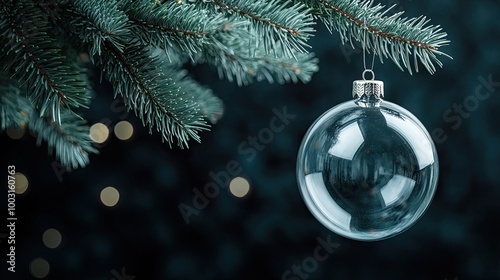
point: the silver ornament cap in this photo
(367, 88)
(368, 93)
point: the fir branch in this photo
(140, 46)
(70, 139)
(233, 60)
(33, 57)
(14, 108)
(183, 28)
(142, 80)
(94, 26)
(152, 95)
(243, 69)
(210, 105)
(386, 36)
(280, 26)
(225, 43)
(52, 10)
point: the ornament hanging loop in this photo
(371, 73)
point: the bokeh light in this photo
(84, 57)
(39, 268)
(15, 133)
(110, 196)
(99, 133)
(52, 238)
(124, 130)
(21, 183)
(239, 187)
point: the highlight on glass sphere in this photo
(367, 168)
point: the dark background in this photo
(265, 233)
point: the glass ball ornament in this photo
(367, 168)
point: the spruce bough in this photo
(141, 45)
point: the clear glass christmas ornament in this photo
(367, 168)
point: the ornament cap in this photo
(368, 93)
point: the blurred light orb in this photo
(21, 183)
(52, 238)
(84, 57)
(367, 169)
(124, 130)
(39, 268)
(110, 196)
(99, 133)
(15, 133)
(239, 187)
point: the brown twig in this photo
(174, 32)
(256, 18)
(374, 30)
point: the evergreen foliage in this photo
(141, 46)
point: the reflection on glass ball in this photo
(367, 172)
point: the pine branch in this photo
(183, 28)
(70, 139)
(244, 69)
(14, 108)
(233, 59)
(210, 105)
(280, 26)
(386, 36)
(34, 58)
(141, 79)
(52, 10)
(154, 97)
(141, 45)
(97, 22)
(228, 44)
